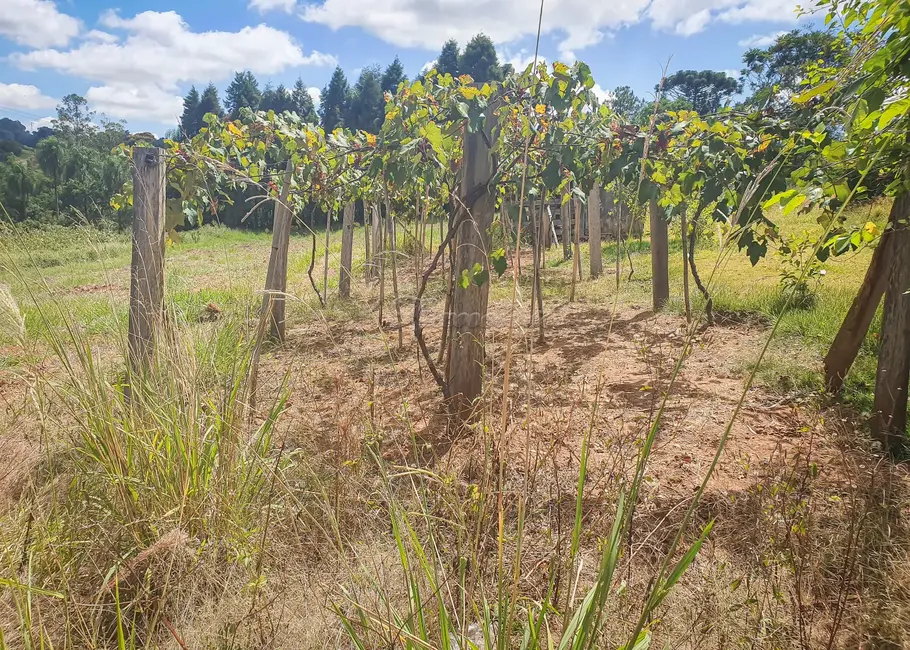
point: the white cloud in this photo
(149, 103)
(101, 37)
(263, 6)
(760, 40)
(24, 98)
(520, 60)
(419, 23)
(316, 95)
(601, 94)
(159, 53)
(580, 23)
(37, 23)
(429, 65)
(736, 74)
(44, 121)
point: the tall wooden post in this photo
(594, 240)
(376, 228)
(147, 268)
(469, 304)
(660, 257)
(276, 279)
(347, 251)
(856, 324)
(890, 421)
(367, 258)
(685, 256)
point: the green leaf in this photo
(464, 280)
(434, 137)
(874, 98)
(499, 262)
(794, 203)
(814, 92)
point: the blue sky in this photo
(134, 59)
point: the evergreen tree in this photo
(480, 61)
(626, 102)
(209, 103)
(367, 109)
(447, 63)
(277, 99)
(334, 101)
(303, 103)
(189, 121)
(74, 119)
(705, 90)
(50, 155)
(243, 92)
(393, 76)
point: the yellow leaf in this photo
(233, 129)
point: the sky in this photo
(133, 60)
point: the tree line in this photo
(357, 106)
(67, 172)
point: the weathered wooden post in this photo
(276, 279)
(890, 420)
(660, 257)
(147, 268)
(594, 239)
(684, 226)
(347, 251)
(367, 258)
(376, 228)
(856, 324)
(469, 304)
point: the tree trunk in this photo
(393, 252)
(537, 293)
(889, 423)
(571, 216)
(576, 225)
(685, 236)
(469, 304)
(347, 251)
(276, 280)
(379, 250)
(693, 237)
(325, 267)
(595, 248)
(660, 257)
(367, 258)
(565, 214)
(853, 331)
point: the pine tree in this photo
(480, 61)
(303, 103)
(277, 99)
(334, 101)
(189, 121)
(367, 109)
(393, 76)
(447, 63)
(243, 93)
(208, 103)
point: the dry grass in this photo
(294, 533)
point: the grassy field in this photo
(318, 498)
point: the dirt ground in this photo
(606, 373)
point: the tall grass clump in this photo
(147, 477)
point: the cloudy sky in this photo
(134, 60)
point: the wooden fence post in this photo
(367, 257)
(376, 227)
(890, 420)
(852, 332)
(595, 248)
(660, 257)
(147, 268)
(469, 304)
(276, 279)
(347, 251)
